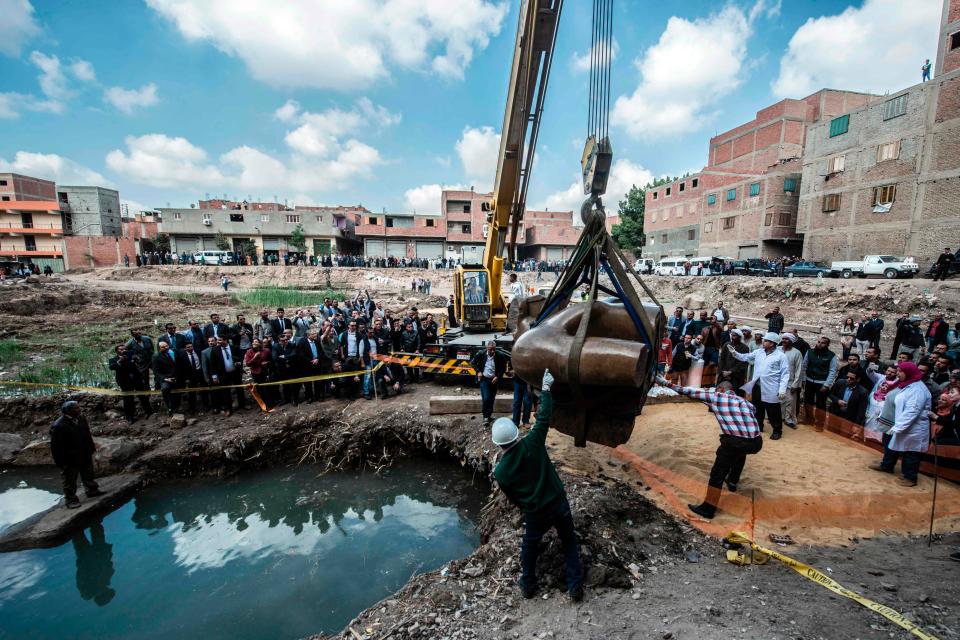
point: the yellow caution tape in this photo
(153, 392)
(763, 554)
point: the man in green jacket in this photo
(527, 477)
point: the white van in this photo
(643, 266)
(213, 257)
(670, 267)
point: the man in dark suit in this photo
(140, 349)
(280, 323)
(128, 378)
(311, 358)
(172, 338)
(72, 448)
(848, 399)
(167, 371)
(216, 329)
(223, 368)
(490, 366)
(211, 377)
(191, 377)
(285, 362)
(195, 335)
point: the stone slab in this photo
(447, 405)
(53, 526)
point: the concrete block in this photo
(446, 405)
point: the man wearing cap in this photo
(771, 376)
(795, 366)
(72, 448)
(528, 478)
(739, 438)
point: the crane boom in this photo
(533, 53)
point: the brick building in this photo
(885, 178)
(743, 203)
(14, 186)
(89, 210)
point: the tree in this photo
(298, 239)
(162, 242)
(629, 233)
(247, 248)
(222, 243)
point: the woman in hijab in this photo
(883, 385)
(910, 433)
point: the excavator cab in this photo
(473, 296)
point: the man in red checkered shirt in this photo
(740, 438)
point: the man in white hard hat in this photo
(528, 478)
(771, 375)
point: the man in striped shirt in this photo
(740, 438)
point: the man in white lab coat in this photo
(768, 386)
(795, 365)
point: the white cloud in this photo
(82, 70)
(126, 100)
(623, 175)
(426, 197)
(876, 47)
(685, 73)
(340, 45)
(162, 161)
(288, 112)
(17, 26)
(478, 149)
(318, 134)
(53, 167)
(52, 80)
(133, 206)
(581, 62)
(12, 103)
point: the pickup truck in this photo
(890, 267)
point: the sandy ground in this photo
(814, 486)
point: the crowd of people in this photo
(210, 366)
(905, 402)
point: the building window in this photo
(731, 194)
(888, 151)
(728, 223)
(207, 217)
(955, 41)
(683, 185)
(293, 218)
(831, 202)
(895, 107)
(264, 217)
(373, 220)
(236, 217)
(319, 218)
(768, 220)
(884, 195)
(3, 183)
(786, 220)
(655, 195)
(712, 199)
(652, 241)
(839, 126)
(755, 189)
(465, 228)
(663, 238)
(694, 183)
(691, 234)
(790, 185)
(430, 223)
(466, 208)
(177, 215)
(667, 192)
(835, 164)
(708, 227)
(6, 198)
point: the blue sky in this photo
(384, 102)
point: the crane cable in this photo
(601, 59)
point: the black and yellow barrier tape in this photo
(430, 363)
(760, 555)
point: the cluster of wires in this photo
(601, 59)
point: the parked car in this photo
(758, 267)
(670, 267)
(643, 266)
(807, 268)
(890, 267)
(740, 267)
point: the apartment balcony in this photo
(31, 228)
(36, 252)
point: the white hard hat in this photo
(504, 431)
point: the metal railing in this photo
(30, 225)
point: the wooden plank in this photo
(448, 405)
